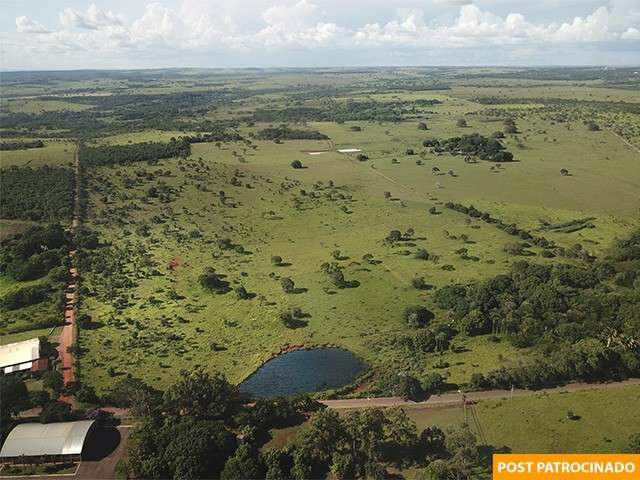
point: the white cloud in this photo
(204, 27)
(93, 19)
(26, 25)
(593, 28)
(631, 34)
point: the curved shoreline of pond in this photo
(283, 373)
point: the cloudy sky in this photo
(65, 34)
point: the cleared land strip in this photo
(448, 399)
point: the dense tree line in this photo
(135, 152)
(21, 145)
(351, 110)
(201, 427)
(474, 144)
(42, 194)
(283, 132)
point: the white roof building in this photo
(19, 356)
(38, 439)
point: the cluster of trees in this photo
(21, 145)
(135, 152)
(474, 144)
(33, 253)
(201, 427)
(41, 194)
(283, 132)
(579, 327)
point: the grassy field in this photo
(56, 152)
(265, 223)
(152, 318)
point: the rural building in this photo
(19, 356)
(62, 441)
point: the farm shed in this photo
(48, 442)
(15, 357)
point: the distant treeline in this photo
(345, 111)
(21, 145)
(41, 194)
(623, 107)
(283, 132)
(135, 152)
(475, 144)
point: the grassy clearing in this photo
(56, 152)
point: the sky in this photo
(77, 34)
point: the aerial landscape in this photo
(323, 272)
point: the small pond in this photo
(304, 371)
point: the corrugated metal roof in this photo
(34, 439)
(19, 352)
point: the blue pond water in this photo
(304, 371)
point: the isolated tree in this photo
(422, 254)
(276, 260)
(461, 123)
(296, 164)
(634, 443)
(394, 236)
(418, 283)
(362, 157)
(288, 286)
(564, 172)
(242, 293)
(422, 126)
(410, 151)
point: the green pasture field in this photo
(360, 319)
(56, 152)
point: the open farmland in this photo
(235, 202)
(471, 229)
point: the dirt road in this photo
(68, 330)
(449, 399)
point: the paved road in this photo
(450, 399)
